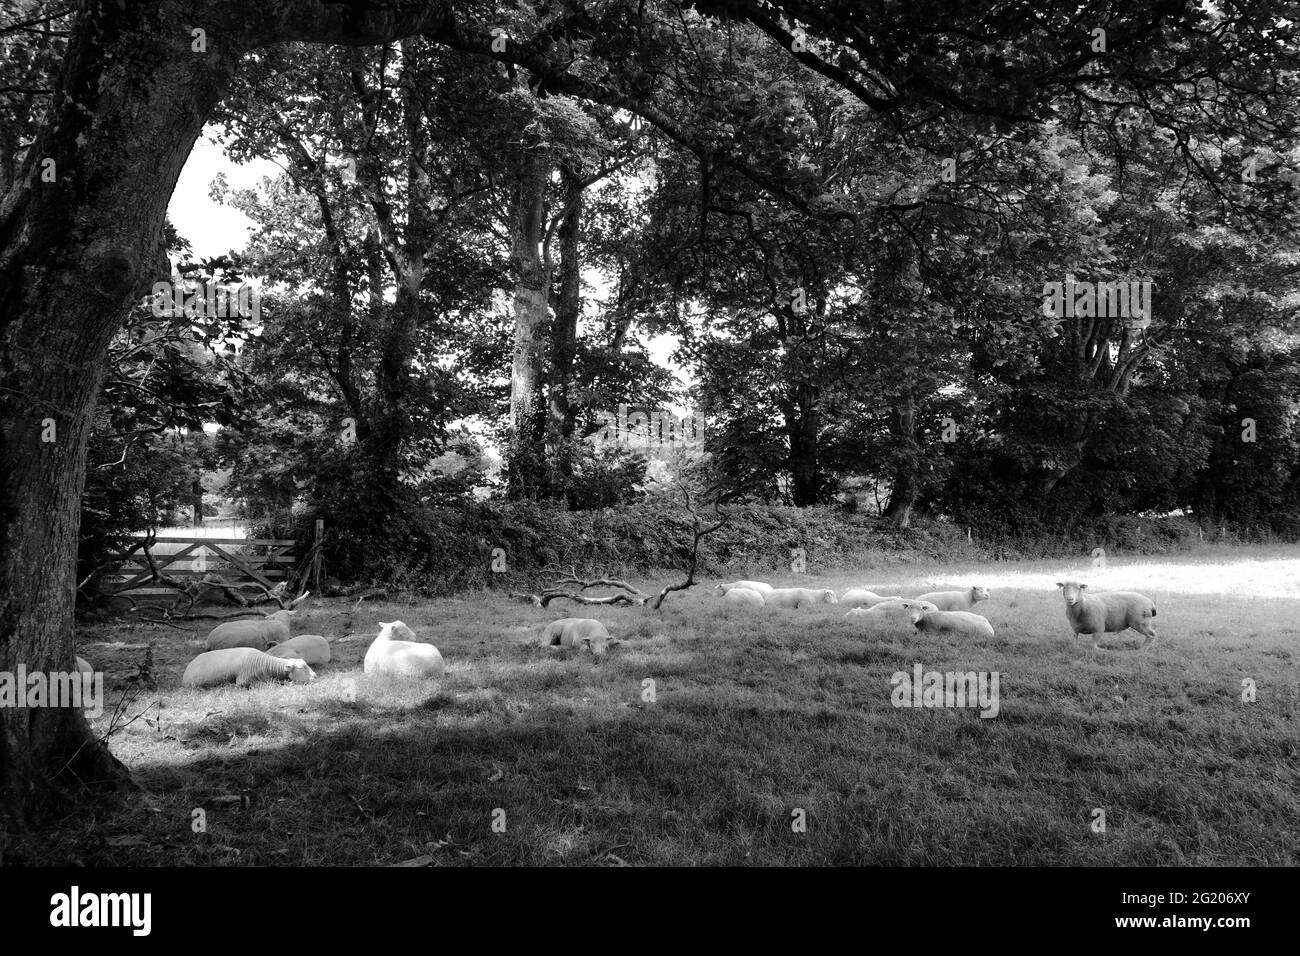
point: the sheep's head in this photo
(286, 615)
(916, 608)
(719, 589)
(978, 594)
(396, 631)
(828, 596)
(1072, 591)
(299, 672)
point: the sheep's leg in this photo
(1147, 631)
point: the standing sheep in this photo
(1107, 611)
(798, 597)
(956, 600)
(260, 634)
(958, 623)
(395, 658)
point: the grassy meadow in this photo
(526, 755)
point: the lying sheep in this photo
(1107, 611)
(861, 597)
(759, 586)
(243, 666)
(400, 658)
(958, 623)
(261, 634)
(890, 605)
(956, 600)
(743, 597)
(312, 648)
(799, 597)
(583, 632)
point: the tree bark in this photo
(73, 252)
(525, 455)
(564, 335)
(906, 487)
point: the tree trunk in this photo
(525, 455)
(73, 253)
(564, 336)
(906, 486)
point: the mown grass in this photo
(753, 717)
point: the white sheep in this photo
(744, 597)
(958, 623)
(956, 600)
(861, 597)
(312, 648)
(259, 634)
(799, 597)
(243, 666)
(402, 658)
(584, 632)
(1107, 611)
(888, 606)
(759, 586)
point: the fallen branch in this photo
(563, 589)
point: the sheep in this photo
(861, 597)
(759, 586)
(798, 597)
(312, 648)
(743, 597)
(584, 632)
(1107, 611)
(243, 666)
(888, 605)
(956, 600)
(959, 623)
(399, 658)
(272, 629)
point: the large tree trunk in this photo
(73, 252)
(525, 456)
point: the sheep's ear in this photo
(1060, 584)
(1083, 587)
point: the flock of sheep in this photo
(244, 652)
(949, 612)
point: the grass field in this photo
(754, 719)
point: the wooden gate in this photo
(233, 561)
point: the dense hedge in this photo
(444, 550)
